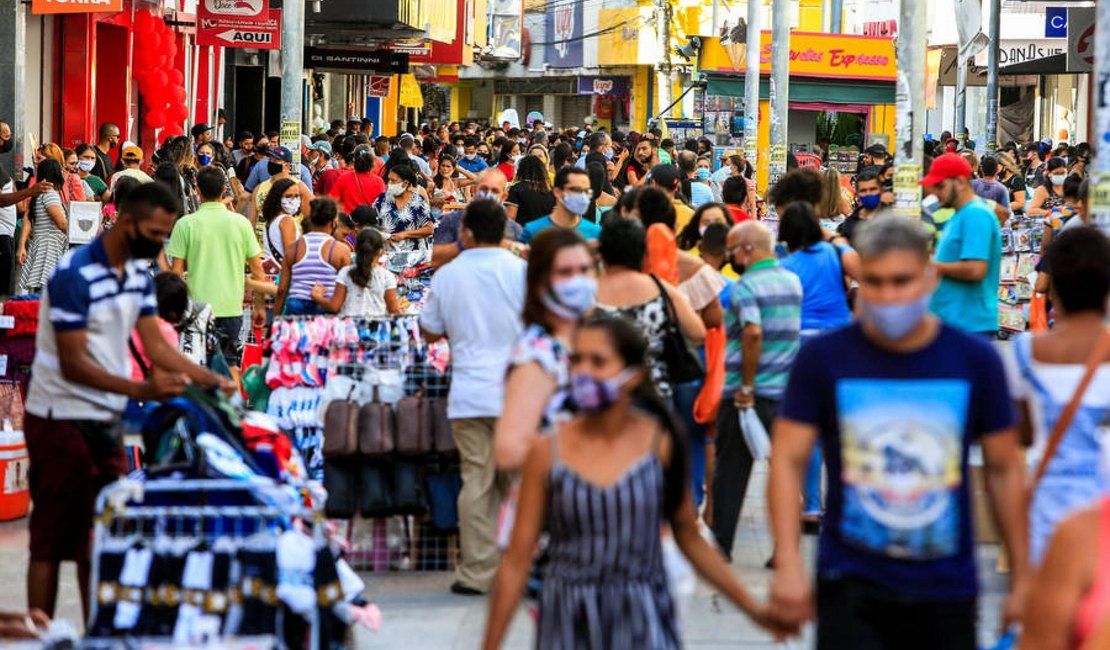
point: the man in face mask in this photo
(1033, 165)
(572, 201)
(283, 158)
(470, 160)
(763, 329)
(447, 241)
(98, 295)
(869, 195)
(969, 253)
(896, 401)
(109, 139)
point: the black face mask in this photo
(274, 168)
(262, 150)
(7, 145)
(143, 247)
(738, 269)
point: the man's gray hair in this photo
(885, 234)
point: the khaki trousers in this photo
(483, 490)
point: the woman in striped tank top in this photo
(312, 259)
(602, 487)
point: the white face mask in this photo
(86, 165)
(396, 189)
(291, 205)
(1058, 179)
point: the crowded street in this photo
(563, 324)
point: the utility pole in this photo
(751, 83)
(994, 32)
(837, 10)
(961, 98)
(780, 86)
(13, 36)
(1100, 193)
(292, 77)
(909, 122)
(663, 32)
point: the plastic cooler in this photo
(15, 498)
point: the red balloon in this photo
(178, 113)
(177, 94)
(159, 24)
(150, 40)
(177, 78)
(156, 119)
(159, 78)
(144, 20)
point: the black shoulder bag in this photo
(683, 363)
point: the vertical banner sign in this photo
(1100, 138)
(291, 140)
(238, 23)
(379, 86)
(563, 47)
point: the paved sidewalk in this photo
(421, 614)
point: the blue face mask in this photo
(896, 320)
(871, 201)
(572, 298)
(576, 203)
(204, 159)
(591, 396)
(703, 174)
(608, 154)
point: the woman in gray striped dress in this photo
(603, 486)
(48, 232)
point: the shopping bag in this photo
(1038, 313)
(709, 399)
(755, 436)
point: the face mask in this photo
(576, 203)
(572, 298)
(143, 247)
(291, 205)
(516, 159)
(1058, 179)
(86, 165)
(871, 201)
(701, 230)
(608, 154)
(896, 320)
(471, 156)
(274, 168)
(396, 189)
(262, 150)
(703, 174)
(482, 194)
(204, 159)
(7, 145)
(592, 396)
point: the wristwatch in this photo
(747, 391)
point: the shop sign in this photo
(375, 61)
(238, 23)
(379, 86)
(1081, 48)
(881, 28)
(604, 86)
(411, 46)
(564, 35)
(1056, 22)
(410, 94)
(1012, 52)
(835, 56)
(75, 6)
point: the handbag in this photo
(709, 399)
(443, 438)
(1068, 414)
(377, 428)
(683, 364)
(341, 428)
(414, 424)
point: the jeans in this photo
(682, 400)
(302, 307)
(734, 467)
(862, 615)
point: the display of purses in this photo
(1007, 272)
(1007, 241)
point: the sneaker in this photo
(462, 590)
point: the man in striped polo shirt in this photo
(762, 324)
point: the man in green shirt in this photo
(214, 245)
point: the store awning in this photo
(809, 91)
(1055, 64)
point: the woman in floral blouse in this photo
(404, 213)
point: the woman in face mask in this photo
(403, 212)
(1049, 196)
(50, 226)
(507, 161)
(86, 162)
(281, 205)
(625, 454)
(707, 214)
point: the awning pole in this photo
(1100, 191)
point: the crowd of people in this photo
(624, 313)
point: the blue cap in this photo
(281, 153)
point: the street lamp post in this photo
(292, 76)
(780, 86)
(751, 83)
(909, 109)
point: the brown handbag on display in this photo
(377, 428)
(341, 428)
(414, 424)
(442, 437)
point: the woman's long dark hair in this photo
(531, 170)
(691, 232)
(632, 346)
(545, 247)
(368, 247)
(271, 207)
(49, 170)
(439, 178)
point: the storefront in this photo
(841, 94)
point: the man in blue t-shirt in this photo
(572, 200)
(895, 400)
(969, 254)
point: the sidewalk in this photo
(420, 613)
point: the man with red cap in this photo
(969, 253)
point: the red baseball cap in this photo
(949, 165)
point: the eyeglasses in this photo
(588, 193)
